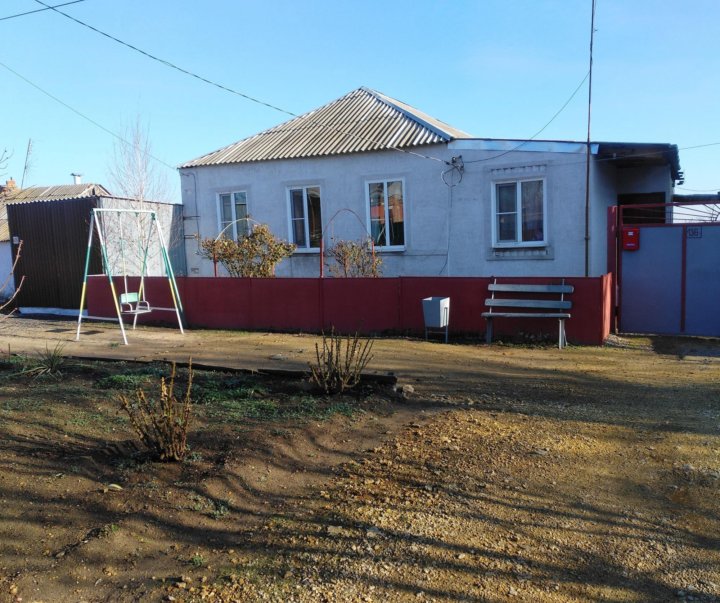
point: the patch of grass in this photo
(47, 363)
(12, 363)
(22, 404)
(197, 560)
(123, 382)
(108, 530)
(271, 409)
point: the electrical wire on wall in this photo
(456, 169)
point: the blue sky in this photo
(494, 68)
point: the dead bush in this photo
(340, 361)
(162, 424)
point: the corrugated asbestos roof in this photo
(362, 120)
(54, 193)
(32, 194)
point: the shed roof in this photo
(53, 193)
(60, 192)
(362, 120)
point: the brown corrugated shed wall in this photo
(54, 235)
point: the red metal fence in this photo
(368, 305)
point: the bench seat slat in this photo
(531, 288)
(525, 315)
(529, 303)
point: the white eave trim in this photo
(536, 146)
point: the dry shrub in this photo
(352, 259)
(162, 424)
(253, 255)
(340, 361)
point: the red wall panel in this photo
(365, 305)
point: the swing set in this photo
(125, 248)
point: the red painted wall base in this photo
(368, 305)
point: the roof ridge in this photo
(409, 111)
(361, 120)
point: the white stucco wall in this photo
(447, 230)
(6, 269)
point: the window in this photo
(233, 211)
(519, 208)
(387, 214)
(305, 217)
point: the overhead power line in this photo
(79, 113)
(541, 130)
(231, 90)
(39, 10)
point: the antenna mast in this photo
(587, 150)
(28, 164)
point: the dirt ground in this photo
(501, 473)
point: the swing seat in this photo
(130, 303)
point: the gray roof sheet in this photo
(362, 120)
(53, 193)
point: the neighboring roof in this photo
(54, 193)
(641, 154)
(362, 120)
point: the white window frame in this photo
(385, 182)
(306, 222)
(518, 207)
(234, 229)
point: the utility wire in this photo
(85, 117)
(231, 90)
(39, 10)
(541, 130)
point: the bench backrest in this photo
(527, 302)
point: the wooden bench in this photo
(547, 307)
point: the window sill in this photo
(526, 245)
(389, 249)
(307, 251)
(544, 252)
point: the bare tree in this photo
(134, 174)
(133, 171)
(4, 158)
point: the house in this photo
(435, 200)
(53, 222)
(6, 254)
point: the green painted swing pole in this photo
(174, 292)
(85, 277)
(143, 270)
(108, 271)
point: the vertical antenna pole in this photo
(587, 150)
(85, 275)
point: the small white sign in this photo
(16, 240)
(694, 232)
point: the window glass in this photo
(506, 198)
(532, 211)
(395, 211)
(519, 212)
(377, 212)
(314, 217)
(298, 217)
(242, 226)
(306, 217)
(226, 210)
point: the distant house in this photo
(435, 200)
(53, 224)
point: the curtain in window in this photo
(532, 210)
(377, 212)
(314, 218)
(396, 213)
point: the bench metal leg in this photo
(488, 332)
(562, 342)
